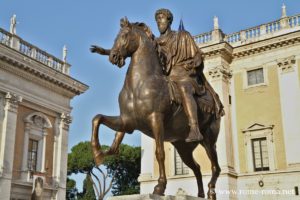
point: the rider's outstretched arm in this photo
(99, 50)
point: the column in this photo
(55, 148)
(61, 162)
(290, 108)
(43, 170)
(8, 136)
(25, 153)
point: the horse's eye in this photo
(124, 37)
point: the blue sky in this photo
(50, 24)
(79, 24)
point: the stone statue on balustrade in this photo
(13, 24)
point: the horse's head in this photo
(125, 44)
(128, 41)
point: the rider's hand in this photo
(100, 50)
(94, 48)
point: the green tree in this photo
(71, 191)
(122, 170)
(80, 160)
(126, 168)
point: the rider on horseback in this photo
(182, 61)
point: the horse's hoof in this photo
(202, 195)
(211, 194)
(159, 189)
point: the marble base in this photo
(154, 197)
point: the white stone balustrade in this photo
(5, 37)
(35, 53)
(273, 27)
(234, 37)
(203, 38)
(254, 33)
(294, 21)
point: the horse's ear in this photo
(124, 22)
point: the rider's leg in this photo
(190, 108)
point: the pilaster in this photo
(61, 154)
(8, 135)
(217, 60)
(219, 77)
(290, 107)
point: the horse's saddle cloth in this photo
(207, 99)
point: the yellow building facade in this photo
(35, 93)
(256, 73)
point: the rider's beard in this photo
(162, 27)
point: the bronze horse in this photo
(145, 105)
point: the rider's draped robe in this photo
(183, 64)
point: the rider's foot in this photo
(194, 135)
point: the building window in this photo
(180, 167)
(32, 154)
(259, 148)
(35, 143)
(255, 76)
(260, 154)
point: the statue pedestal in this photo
(154, 197)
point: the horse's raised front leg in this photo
(114, 123)
(156, 123)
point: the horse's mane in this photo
(151, 36)
(145, 28)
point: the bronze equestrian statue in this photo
(150, 101)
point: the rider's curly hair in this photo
(165, 12)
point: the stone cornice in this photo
(266, 45)
(222, 49)
(28, 68)
(36, 79)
